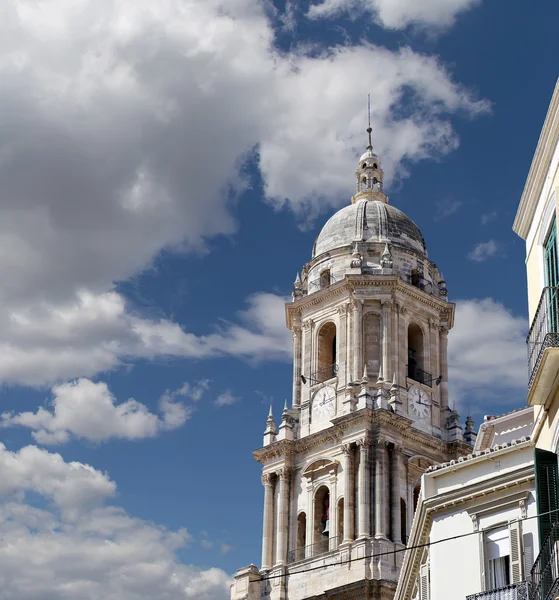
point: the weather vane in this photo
(369, 129)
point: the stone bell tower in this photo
(370, 320)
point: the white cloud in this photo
(77, 547)
(226, 399)
(446, 208)
(488, 217)
(95, 333)
(487, 353)
(87, 410)
(397, 14)
(484, 250)
(112, 125)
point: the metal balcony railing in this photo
(420, 375)
(324, 374)
(320, 283)
(321, 547)
(545, 572)
(544, 332)
(516, 591)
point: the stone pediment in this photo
(320, 466)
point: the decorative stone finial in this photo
(270, 431)
(470, 434)
(365, 378)
(380, 379)
(386, 261)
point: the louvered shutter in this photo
(424, 582)
(546, 485)
(515, 536)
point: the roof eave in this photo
(545, 148)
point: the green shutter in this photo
(546, 486)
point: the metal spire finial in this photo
(369, 129)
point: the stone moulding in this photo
(352, 283)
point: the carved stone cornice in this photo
(352, 283)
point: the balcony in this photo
(516, 591)
(324, 374)
(545, 572)
(543, 347)
(420, 375)
(322, 547)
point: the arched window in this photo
(301, 536)
(375, 166)
(372, 342)
(321, 519)
(340, 530)
(416, 353)
(326, 352)
(404, 520)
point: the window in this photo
(546, 486)
(502, 556)
(415, 353)
(301, 536)
(325, 279)
(497, 554)
(551, 268)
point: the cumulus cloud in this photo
(397, 14)
(86, 410)
(484, 250)
(60, 539)
(226, 399)
(112, 126)
(95, 333)
(487, 353)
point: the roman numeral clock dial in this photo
(419, 404)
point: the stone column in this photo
(381, 488)
(307, 357)
(349, 492)
(334, 541)
(403, 350)
(309, 537)
(357, 340)
(297, 358)
(268, 526)
(443, 355)
(364, 488)
(283, 516)
(386, 362)
(397, 467)
(343, 353)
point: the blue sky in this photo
(164, 171)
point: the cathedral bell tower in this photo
(369, 414)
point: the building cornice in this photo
(381, 422)
(352, 283)
(547, 143)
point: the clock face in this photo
(323, 404)
(419, 403)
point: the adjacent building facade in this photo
(369, 414)
(475, 533)
(536, 223)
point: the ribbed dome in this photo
(369, 221)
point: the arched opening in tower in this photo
(301, 535)
(404, 520)
(372, 335)
(326, 352)
(416, 491)
(340, 529)
(415, 353)
(322, 518)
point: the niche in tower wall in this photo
(372, 341)
(416, 352)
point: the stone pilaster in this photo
(308, 327)
(343, 353)
(349, 493)
(443, 354)
(364, 488)
(397, 468)
(381, 490)
(297, 359)
(268, 525)
(357, 340)
(402, 349)
(386, 337)
(284, 476)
